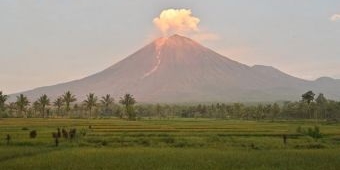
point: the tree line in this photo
(67, 106)
(309, 107)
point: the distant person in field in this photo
(284, 139)
(8, 138)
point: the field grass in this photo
(168, 144)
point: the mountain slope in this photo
(178, 69)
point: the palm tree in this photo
(68, 99)
(107, 101)
(308, 97)
(3, 99)
(12, 108)
(321, 101)
(128, 101)
(58, 103)
(90, 102)
(21, 103)
(43, 101)
(36, 107)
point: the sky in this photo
(50, 42)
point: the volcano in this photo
(177, 69)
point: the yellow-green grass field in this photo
(168, 144)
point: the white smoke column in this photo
(176, 21)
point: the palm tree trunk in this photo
(43, 112)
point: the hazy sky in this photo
(44, 42)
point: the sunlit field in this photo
(168, 144)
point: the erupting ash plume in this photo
(172, 21)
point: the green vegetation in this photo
(3, 99)
(128, 101)
(90, 102)
(68, 98)
(127, 108)
(312, 132)
(127, 135)
(21, 105)
(43, 102)
(168, 158)
(190, 143)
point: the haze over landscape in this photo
(42, 42)
(177, 69)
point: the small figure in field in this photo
(59, 133)
(73, 133)
(8, 138)
(56, 138)
(284, 139)
(56, 142)
(90, 127)
(64, 132)
(252, 146)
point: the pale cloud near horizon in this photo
(335, 17)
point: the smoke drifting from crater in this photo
(172, 21)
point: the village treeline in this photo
(310, 106)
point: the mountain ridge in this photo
(177, 69)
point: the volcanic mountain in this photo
(177, 69)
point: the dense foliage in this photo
(66, 106)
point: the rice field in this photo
(168, 144)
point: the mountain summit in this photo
(177, 69)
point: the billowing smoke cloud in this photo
(335, 17)
(176, 21)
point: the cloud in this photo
(176, 21)
(182, 21)
(335, 17)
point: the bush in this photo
(213, 139)
(181, 144)
(104, 143)
(65, 133)
(312, 132)
(83, 132)
(144, 142)
(310, 146)
(73, 133)
(24, 128)
(168, 140)
(33, 134)
(299, 129)
(54, 135)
